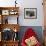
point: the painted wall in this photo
(33, 22)
(26, 4)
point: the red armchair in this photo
(29, 36)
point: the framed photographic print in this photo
(5, 12)
(30, 13)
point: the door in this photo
(44, 8)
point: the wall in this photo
(32, 4)
(26, 4)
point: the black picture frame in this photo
(30, 13)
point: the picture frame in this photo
(30, 13)
(5, 12)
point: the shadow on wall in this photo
(37, 29)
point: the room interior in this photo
(17, 16)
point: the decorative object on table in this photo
(13, 12)
(15, 37)
(15, 34)
(15, 3)
(30, 38)
(30, 13)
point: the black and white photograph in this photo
(30, 13)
